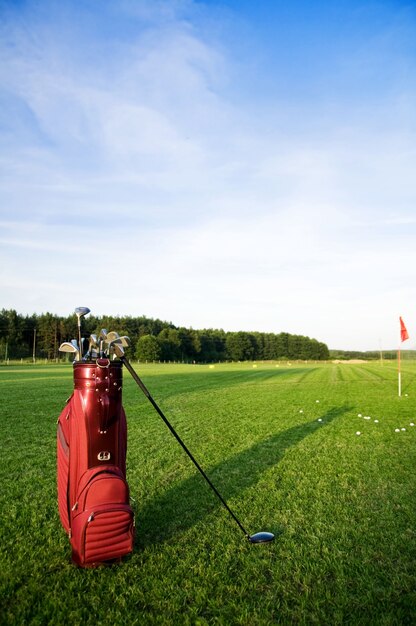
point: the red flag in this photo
(403, 331)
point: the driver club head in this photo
(80, 311)
(261, 537)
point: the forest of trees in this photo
(39, 336)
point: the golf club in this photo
(80, 311)
(102, 337)
(111, 336)
(110, 345)
(69, 347)
(92, 345)
(261, 537)
(124, 342)
(76, 346)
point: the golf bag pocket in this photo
(63, 468)
(102, 526)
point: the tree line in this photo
(39, 336)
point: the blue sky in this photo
(237, 165)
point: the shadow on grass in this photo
(187, 503)
(167, 385)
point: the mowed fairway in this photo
(342, 506)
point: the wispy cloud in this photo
(133, 149)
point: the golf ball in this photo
(358, 432)
(319, 419)
(397, 430)
(403, 429)
(301, 411)
(317, 401)
(376, 421)
(359, 415)
(411, 424)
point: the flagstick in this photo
(400, 376)
(404, 336)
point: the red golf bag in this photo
(93, 495)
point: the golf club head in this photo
(102, 337)
(118, 350)
(111, 336)
(125, 341)
(80, 311)
(76, 349)
(262, 537)
(110, 345)
(66, 346)
(121, 341)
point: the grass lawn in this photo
(342, 506)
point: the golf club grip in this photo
(179, 440)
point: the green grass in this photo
(342, 506)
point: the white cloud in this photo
(136, 170)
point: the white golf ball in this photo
(367, 417)
(359, 415)
(411, 424)
(301, 411)
(376, 421)
(397, 430)
(358, 432)
(403, 429)
(319, 419)
(317, 401)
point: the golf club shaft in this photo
(179, 440)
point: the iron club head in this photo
(80, 311)
(74, 343)
(125, 341)
(111, 336)
(67, 346)
(110, 345)
(118, 350)
(92, 345)
(102, 337)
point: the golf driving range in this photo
(279, 442)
